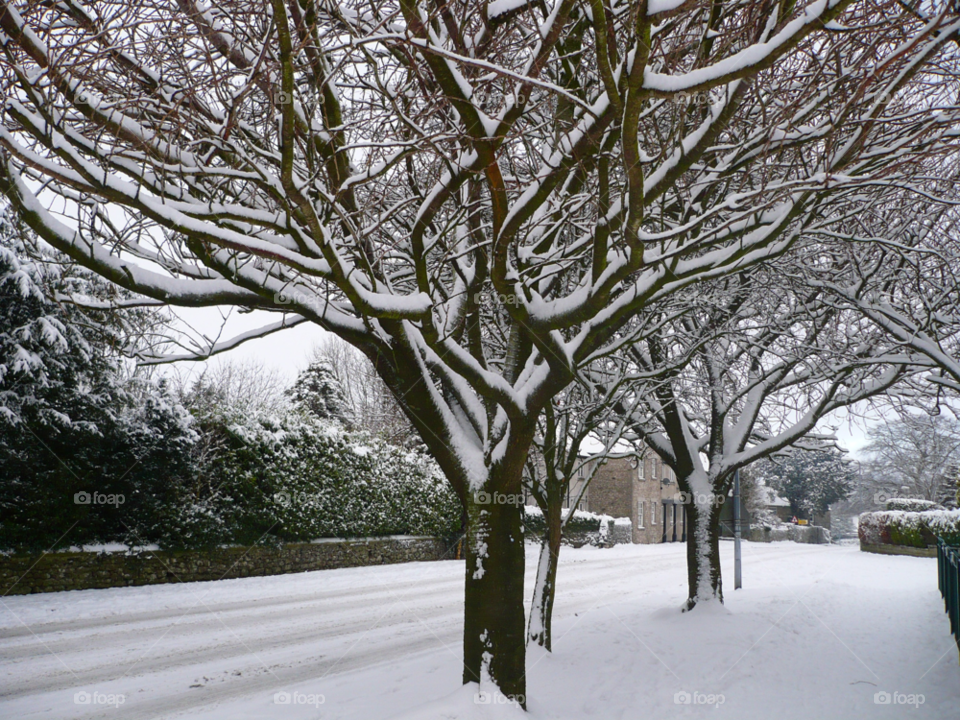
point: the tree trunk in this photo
(544, 591)
(494, 647)
(703, 554)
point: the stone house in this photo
(645, 491)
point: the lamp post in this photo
(737, 579)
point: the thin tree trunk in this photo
(494, 647)
(703, 554)
(544, 592)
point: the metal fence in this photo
(948, 568)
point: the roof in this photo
(771, 499)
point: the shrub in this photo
(295, 478)
(584, 528)
(913, 529)
(912, 504)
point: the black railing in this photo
(948, 568)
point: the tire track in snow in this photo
(271, 629)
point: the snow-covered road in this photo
(816, 628)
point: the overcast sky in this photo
(288, 352)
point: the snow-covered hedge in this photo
(294, 478)
(912, 504)
(584, 528)
(90, 454)
(913, 529)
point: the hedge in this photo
(911, 529)
(584, 528)
(912, 504)
(293, 479)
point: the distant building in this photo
(776, 504)
(646, 492)
(643, 490)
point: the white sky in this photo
(288, 352)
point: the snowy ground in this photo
(816, 633)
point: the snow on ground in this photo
(817, 632)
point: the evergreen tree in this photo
(87, 454)
(811, 480)
(318, 390)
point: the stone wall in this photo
(51, 572)
(899, 550)
(813, 534)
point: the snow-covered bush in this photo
(913, 529)
(584, 528)
(76, 426)
(294, 478)
(912, 504)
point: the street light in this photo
(737, 579)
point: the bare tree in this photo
(478, 197)
(559, 474)
(767, 363)
(371, 404)
(233, 388)
(915, 455)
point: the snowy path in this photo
(379, 641)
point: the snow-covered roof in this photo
(771, 499)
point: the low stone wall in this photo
(813, 534)
(899, 550)
(52, 572)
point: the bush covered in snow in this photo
(295, 478)
(913, 529)
(88, 454)
(584, 528)
(92, 454)
(912, 504)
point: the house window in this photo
(653, 513)
(640, 514)
(640, 465)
